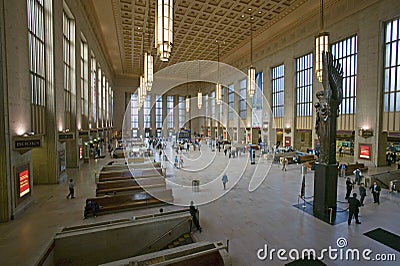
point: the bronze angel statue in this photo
(327, 107)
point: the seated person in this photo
(91, 206)
(88, 208)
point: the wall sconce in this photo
(26, 142)
(365, 132)
(288, 130)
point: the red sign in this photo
(288, 142)
(24, 187)
(365, 151)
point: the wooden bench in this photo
(117, 178)
(136, 160)
(310, 165)
(351, 167)
(130, 186)
(116, 203)
(128, 189)
(306, 158)
(125, 167)
(127, 172)
(288, 155)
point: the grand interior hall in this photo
(199, 132)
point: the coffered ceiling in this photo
(127, 28)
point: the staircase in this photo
(180, 241)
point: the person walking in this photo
(71, 187)
(284, 163)
(354, 205)
(224, 180)
(176, 161)
(343, 170)
(180, 162)
(349, 187)
(357, 173)
(363, 193)
(340, 151)
(193, 211)
(376, 191)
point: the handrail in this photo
(190, 256)
(162, 236)
(122, 220)
(382, 183)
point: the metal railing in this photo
(152, 243)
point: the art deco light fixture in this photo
(187, 104)
(321, 45)
(199, 99)
(187, 94)
(148, 71)
(218, 87)
(142, 92)
(251, 75)
(163, 28)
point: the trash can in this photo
(252, 156)
(195, 185)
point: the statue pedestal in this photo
(325, 190)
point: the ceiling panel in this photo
(197, 26)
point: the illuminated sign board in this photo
(80, 152)
(27, 143)
(22, 182)
(83, 133)
(66, 136)
(24, 187)
(365, 151)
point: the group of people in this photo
(178, 163)
(391, 158)
(91, 206)
(354, 203)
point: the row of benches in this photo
(119, 189)
(127, 174)
(353, 166)
(115, 203)
(129, 185)
(349, 167)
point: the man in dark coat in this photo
(349, 187)
(363, 193)
(376, 190)
(354, 205)
(193, 212)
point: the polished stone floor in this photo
(248, 220)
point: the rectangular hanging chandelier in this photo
(321, 45)
(187, 104)
(163, 28)
(218, 93)
(251, 82)
(199, 99)
(148, 71)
